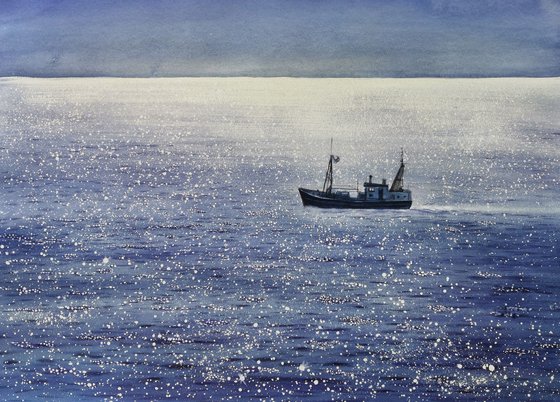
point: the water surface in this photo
(154, 245)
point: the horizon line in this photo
(435, 76)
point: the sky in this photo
(304, 38)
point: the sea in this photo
(154, 245)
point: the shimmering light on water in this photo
(153, 244)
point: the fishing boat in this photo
(373, 195)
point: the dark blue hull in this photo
(319, 199)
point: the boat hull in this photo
(317, 199)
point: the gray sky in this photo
(280, 38)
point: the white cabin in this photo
(380, 192)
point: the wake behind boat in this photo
(373, 196)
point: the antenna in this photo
(331, 144)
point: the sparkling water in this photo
(154, 246)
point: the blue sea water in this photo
(153, 244)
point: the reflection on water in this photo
(154, 246)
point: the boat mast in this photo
(398, 182)
(327, 185)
